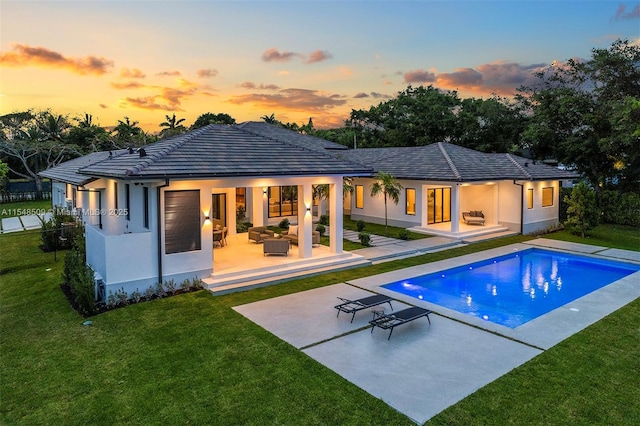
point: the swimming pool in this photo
(513, 289)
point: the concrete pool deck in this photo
(424, 368)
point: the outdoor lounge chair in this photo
(353, 306)
(389, 321)
(473, 217)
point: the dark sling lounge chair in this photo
(353, 306)
(389, 321)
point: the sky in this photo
(294, 59)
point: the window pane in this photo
(446, 204)
(438, 200)
(529, 198)
(547, 197)
(411, 201)
(431, 203)
(359, 196)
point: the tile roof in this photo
(226, 151)
(448, 162)
(284, 135)
(68, 171)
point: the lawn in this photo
(24, 207)
(192, 359)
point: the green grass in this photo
(614, 236)
(192, 359)
(377, 229)
(13, 209)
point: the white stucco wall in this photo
(540, 218)
(509, 205)
(373, 209)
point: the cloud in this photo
(318, 56)
(207, 73)
(361, 95)
(131, 73)
(294, 99)
(174, 73)
(23, 55)
(462, 77)
(149, 103)
(374, 95)
(273, 55)
(253, 86)
(419, 76)
(103, 106)
(622, 14)
(127, 85)
(345, 71)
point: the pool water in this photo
(513, 289)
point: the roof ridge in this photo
(449, 161)
(513, 160)
(163, 152)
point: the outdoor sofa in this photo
(275, 246)
(292, 235)
(259, 233)
(473, 217)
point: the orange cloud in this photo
(419, 76)
(127, 85)
(466, 78)
(169, 73)
(274, 55)
(253, 86)
(149, 103)
(131, 73)
(207, 73)
(23, 56)
(318, 56)
(295, 99)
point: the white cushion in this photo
(293, 230)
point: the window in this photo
(115, 195)
(410, 194)
(182, 221)
(127, 201)
(283, 201)
(145, 201)
(530, 198)
(547, 197)
(241, 198)
(359, 197)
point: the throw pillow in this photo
(293, 230)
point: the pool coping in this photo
(544, 331)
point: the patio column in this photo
(335, 216)
(455, 208)
(305, 220)
(259, 206)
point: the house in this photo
(442, 180)
(150, 213)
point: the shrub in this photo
(360, 225)
(243, 227)
(324, 220)
(136, 296)
(149, 293)
(403, 234)
(184, 285)
(170, 286)
(60, 225)
(365, 239)
(321, 229)
(196, 284)
(122, 298)
(241, 214)
(284, 224)
(620, 208)
(80, 278)
(582, 210)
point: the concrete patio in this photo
(424, 368)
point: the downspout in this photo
(159, 219)
(521, 185)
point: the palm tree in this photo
(172, 127)
(270, 119)
(388, 186)
(126, 133)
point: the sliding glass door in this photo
(438, 205)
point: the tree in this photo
(586, 114)
(35, 142)
(89, 137)
(127, 133)
(582, 211)
(417, 116)
(390, 188)
(172, 127)
(270, 119)
(211, 118)
(4, 172)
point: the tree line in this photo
(583, 114)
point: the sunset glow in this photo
(296, 59)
